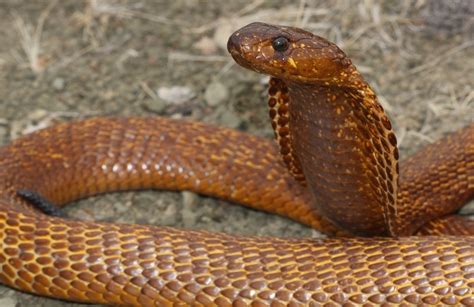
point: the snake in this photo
(395, 237)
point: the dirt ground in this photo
(64, 60)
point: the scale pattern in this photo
(141, 265)
(279, 104)
(146, 265)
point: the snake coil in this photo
(340, 174)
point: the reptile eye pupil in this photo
(280, 44)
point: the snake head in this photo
(290, 54)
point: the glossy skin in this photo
(146, 265)
(338, 136)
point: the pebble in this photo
(175, 94)
(216, 93)
(156, 105)
(166, 96)
(468, 209)
(230, 119)
(58, 84)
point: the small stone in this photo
(58, 84)
(175, 94)
(230, 119)
(264, 80)
(156, 105)
(468, 209)
(216, 93)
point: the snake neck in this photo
(278, 102)
(339, 142)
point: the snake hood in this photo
(324, 106)
(291, 54)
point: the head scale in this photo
(290, 54)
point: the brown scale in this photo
(312, 127)
(279, 104)
(121, 264)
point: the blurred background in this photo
(66, 60)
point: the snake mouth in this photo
(239, 48)
(234, 50)
(251, 46)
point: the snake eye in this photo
(280, 44)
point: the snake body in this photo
(340, 175)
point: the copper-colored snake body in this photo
(334, 167)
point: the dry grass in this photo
(30, 38)
(118, 9)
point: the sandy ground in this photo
(65, 60)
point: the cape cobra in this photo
(340, 175)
